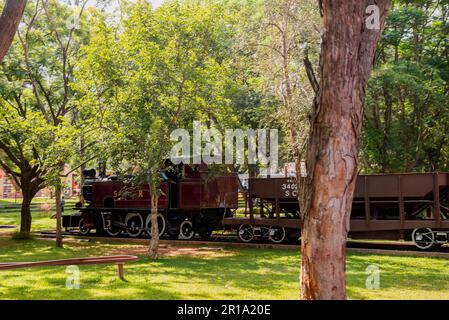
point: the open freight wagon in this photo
(385, 206)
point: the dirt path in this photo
(174, 250)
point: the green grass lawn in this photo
(227, 273)
(10, 212)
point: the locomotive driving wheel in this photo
(424, 238)
(277, 234)
(186, 230)
(83, 229)
(160, 224)
(246, 233)
(114, 231)
(134, 224)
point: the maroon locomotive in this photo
(192, 202)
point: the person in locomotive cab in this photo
(169, 172)
(167, 177)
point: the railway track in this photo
(371, 247)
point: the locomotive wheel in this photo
(277, 234)
(424, 238)
(134, 224)
(160, 224)
(186, 230)
(114, 231)
(246, 233)
(83, 229)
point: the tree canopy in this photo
(406, 113)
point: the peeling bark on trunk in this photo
(9, 22)
(153, 251)
(347, 54)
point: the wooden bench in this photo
(119, 260)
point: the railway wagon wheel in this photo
(246, 233)
(134, 224)
(277, 234)
(160, 223)
(83, 229)
(186, 230)
(424, 238)
(114, 231)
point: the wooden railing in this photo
(119, 260)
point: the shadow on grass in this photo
(192, 277)
(231, 274)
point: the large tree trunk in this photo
(25, 214)
(347, 55)
(9, 22)
(30, 185)
(153, 251)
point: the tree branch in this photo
(82, 164)
(24, 42)
(14, 175)
(311, 75)
(10, 155)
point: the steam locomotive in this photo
(192, 202)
